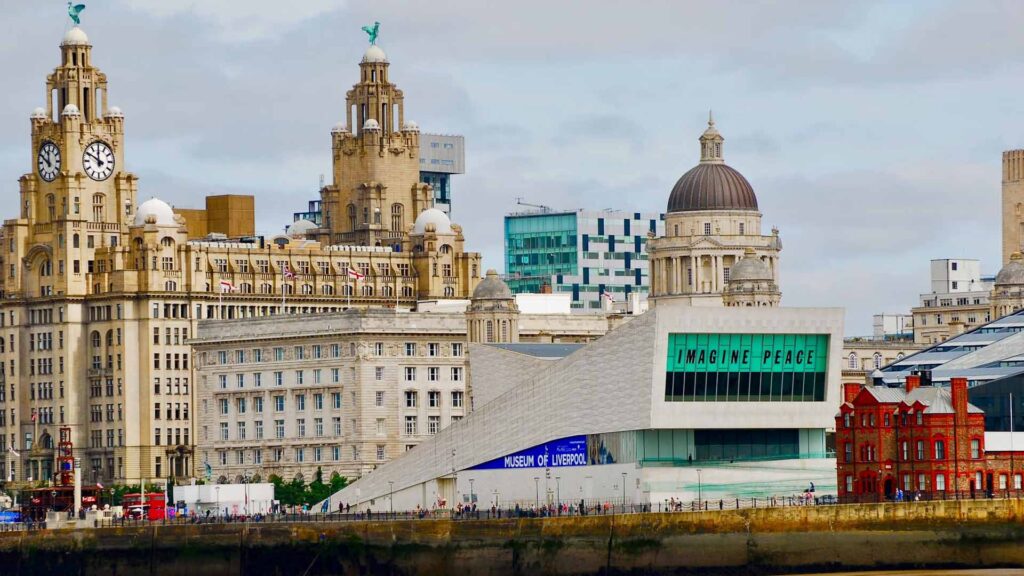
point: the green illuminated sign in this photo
(746, 367)
(747, 352)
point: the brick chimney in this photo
(913, 383)
(850, 390)
(958, 393)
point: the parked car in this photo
(827, 499)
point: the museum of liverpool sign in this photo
(746, 367)
(571, 451)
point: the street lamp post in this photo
(471, 500)
(623, 492)
(558, 492)
(699, 505)
(536, 487)
(391, 496)
(216, 489)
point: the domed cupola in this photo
(1013, 273)
(712, 184)
(492, 315)
(492, 287)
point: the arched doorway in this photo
(890, 487)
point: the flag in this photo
(13, 451)
(288, 272)
(608, 295)
(33, 414)
(356, 274)
(100, 486)
(226, 286)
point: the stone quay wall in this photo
(983, 533)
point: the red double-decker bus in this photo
(149, 506)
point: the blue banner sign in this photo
(571, 451)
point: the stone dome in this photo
(339, 128)
(301, 227)
(75, 37)
(432, 216)
(115, 112)
(371, 124)
(374, 54)
(492, 287)
(155, 211)
(71, 110)
(1013, 272)
(750, 268)
(38, 114)
(411, 126)
(712, 186)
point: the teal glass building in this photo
(585, 254)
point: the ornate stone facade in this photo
(100, 298)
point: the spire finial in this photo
(711, 118)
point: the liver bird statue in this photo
(74, 10)
(371, 30)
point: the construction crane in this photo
(541, 207)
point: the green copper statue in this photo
(371, 30)
(74, 10)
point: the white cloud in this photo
(241, 20)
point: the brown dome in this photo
(712, 186)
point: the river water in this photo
(987, 572)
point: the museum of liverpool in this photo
(730, 402)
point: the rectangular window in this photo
(380, 426)
(336, 425)
(433, 349)
(457, 399)
(279, 428)
(410, 348)
(456, 349)
(278, 403)
(300, 427)
(940, 482)
(410, 399)
(335, 375)
(433, 374)
(920, 450)
(300, 402)
(318, 427)
(433, 424)
(410, 374)
(434, 399)
(278, 378)
(940, 450)
(259, 429)
(379, 398)
(336, 400)
(456, 374)
(975, 449)
(410, 425)
(380, 452)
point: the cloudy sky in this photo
(871, 131)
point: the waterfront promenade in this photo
(921, 535)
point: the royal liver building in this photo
(101, 294)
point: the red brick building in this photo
(922, 439)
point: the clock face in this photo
(98, 161)
(48, 161)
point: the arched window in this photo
(877, 360)
(504, 331)
(45, 268)
(97, 208)
(2, 348)
(900, 356)
(407, 291)
(490, 331)
(346, 290)
(171, 286)
(307, 288)
(74, 241)
(449, 292)
(396, 217)
(446, 249)
(110, 337)
(95, 338)
(327, 290)
(287, 289)
(167, 242)
(266, 289)
(853, 361)
(385, 291)
(367, 290)
(245, 288)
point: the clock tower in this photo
(78, 184)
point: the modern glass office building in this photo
(585, 254)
